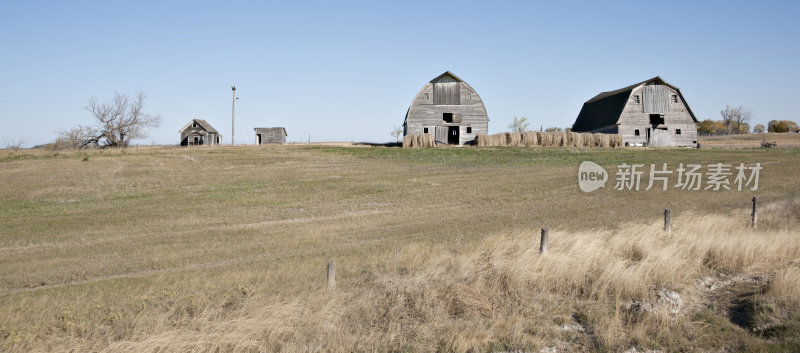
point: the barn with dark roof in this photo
(648, 113)
(199, 132)
(448, 108)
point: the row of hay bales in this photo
(556, 138)
(419, 141)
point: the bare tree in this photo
(77, 137)
(396, 133)
(735, 117)
(118, 122)
(519, 124)
(122, 120)
(14, 144)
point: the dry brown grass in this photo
(783, 140)
(148, 249)
(502, 294)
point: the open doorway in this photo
(447, 117)
(453, 135)
(656, 119)
(258, 139)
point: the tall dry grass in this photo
(549, 139)
(502, 294)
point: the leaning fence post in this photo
(755, 212)
(543, 242)
(667, 221)
(331, 276)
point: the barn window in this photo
(677, 131)
(469, 129)
(636, 132)
(674, 98)
(447, 117)
(425, 130)
(194, 124)
(426, 96)
(636, 99)
(469, 96)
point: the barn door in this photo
(441, 134)
(453, 133)
(659, 137)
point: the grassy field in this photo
(224, 249)
(783, 140)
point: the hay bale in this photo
(530, 138)
(601, 140)
(545, 139)
(514, 139)
(562, 138)
(425, 141)
(574, 139)
(482, 140)
(588, 139)
(407, 141)
(616, 140)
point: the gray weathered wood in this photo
(331, 276)
(271, 135)
(755, 213)
(543, 241)
(199, 132)
(667, 221)
(447, 94)
(629, 110)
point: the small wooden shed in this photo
(648, 113)
(270, 135)
(199, 132)
(450, 109)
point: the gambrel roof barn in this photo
(648, 113)
(450, 109)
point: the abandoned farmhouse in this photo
(270, 135)
(648, 113)
(448, 108)
(199, 132)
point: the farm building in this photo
(649, 113)
(199, 132)
(270, 135)
(450, 109)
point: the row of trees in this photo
(718, 127)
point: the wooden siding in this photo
(270, 135)
(655, 99)
(424, 113)
(676, 116)
(195, 129)
(447, 93)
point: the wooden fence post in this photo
(667, 221)
(331, 276)
(543, 242)
(755, 212)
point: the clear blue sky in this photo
(347, 71)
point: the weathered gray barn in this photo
(199, 132)
(450, 109)
(270, 135)
(649, 113)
